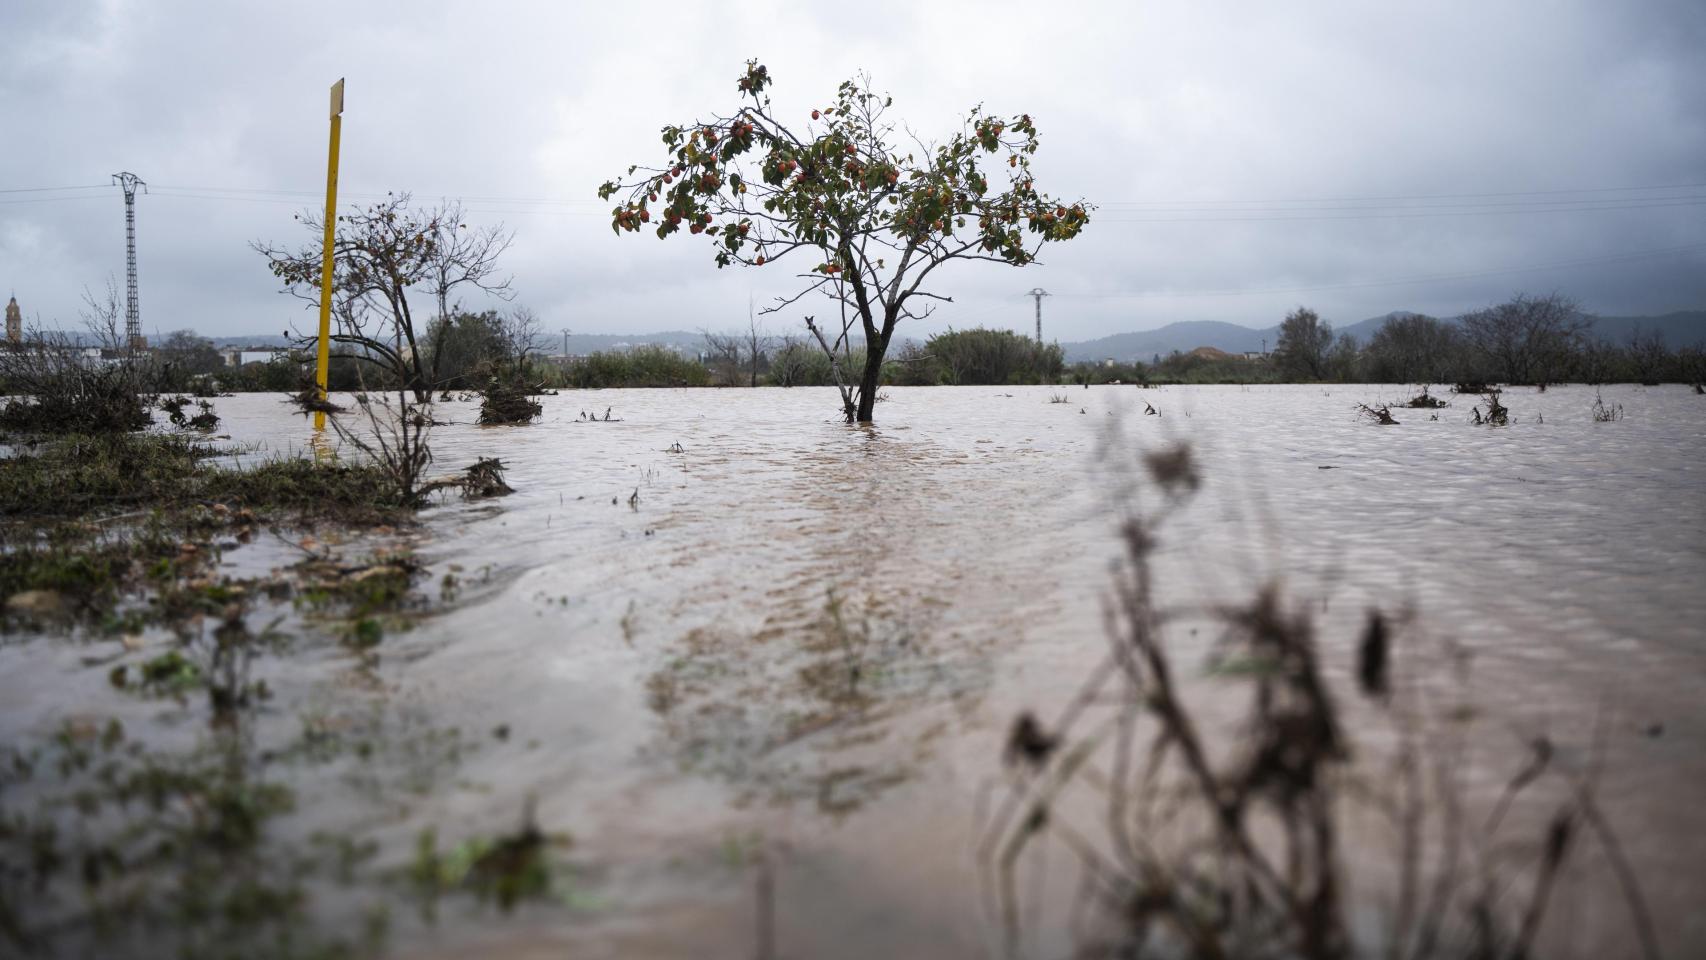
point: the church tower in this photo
(14, 323)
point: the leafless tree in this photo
(757, 346)
(789, 363)
(464, 257)
(734, 358)
(1413, 349)
(722, 357)
(1304, 342)
(381, 254)
(1527, 339)
(62, 390)
(520, 330)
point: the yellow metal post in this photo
(324, 361)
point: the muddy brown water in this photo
(737, 644)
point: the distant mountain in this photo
(1184, 337)
(1680, 329)
(1363, 330)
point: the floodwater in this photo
(743, 652)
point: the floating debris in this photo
(507, 403)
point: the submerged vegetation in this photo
(1497, 415)
(1380, 414)
(1203, 838)
(121, 838)
(1603, 413)
(89, 521)
(504, 401)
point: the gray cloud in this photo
(1217, 138)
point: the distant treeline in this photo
(1526, 340)
(975, 356)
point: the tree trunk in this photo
(872, 377)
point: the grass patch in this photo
(98, 518)
(90, 475)
(351, 492)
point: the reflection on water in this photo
(832, 710)
(722, 614)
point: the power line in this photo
(89, 186)
(86, 196)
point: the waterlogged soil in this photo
(727, 676)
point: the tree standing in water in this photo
(869, 220)
(1304, 342)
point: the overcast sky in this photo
(1355, 157)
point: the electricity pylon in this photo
(128, 182)
(1039, 293)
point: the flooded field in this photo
(753, 670)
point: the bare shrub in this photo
(63, 386)
(394, 439)
(204, 420)
(1603, 413)
(1498, 414)
(1425, 401)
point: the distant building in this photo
(238, 357)
(14, 323)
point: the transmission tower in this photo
(128, 182)
(1039, 293)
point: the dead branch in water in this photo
(1498, 414)
(1381, 415)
